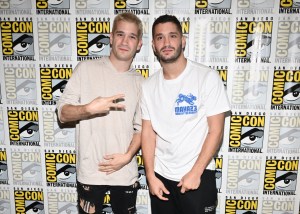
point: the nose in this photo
(125, 40)
(166, 41)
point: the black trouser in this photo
(200, 201)
(122, 198)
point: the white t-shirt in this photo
(178, 111)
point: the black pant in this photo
(200, 201)
(122, 199)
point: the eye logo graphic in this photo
(58, 7)
(137, 7)
(97, 44)
(3, 168)
(289, 7)
(92, 4)
(280, 177)
(16, 4)
(212, 6)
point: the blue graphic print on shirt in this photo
(189, 99)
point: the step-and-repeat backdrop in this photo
(253, 44)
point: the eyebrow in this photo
(101, 38)
(30, 166)
(21, 86)
(59, 85)
(259, 85)
(57, 39)
(257, 132)
(31, 125)
(289, 176)
(68, 167)
(247, 175)
(288, 133)
(291, 89)
(24, 38)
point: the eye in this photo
(32, 170)
(251, 136)
(65, 172)
(258, 43)
(134, 2)
(3, 168)
(28, 131)
(55, 2)
(218, 43)
(248, 179)
(67, 209)
(285, 180)
(62, 133)
(58, 89)
(60, 43)
(292, 94)
(22, 43)
(290, 137)
(255, 92)
(35, 207)
(97, 44)
(26, 88)
(4, 207)
(17, 2)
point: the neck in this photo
(120, 66)
(174, 69)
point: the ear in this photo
(140, 44)
(153, 47)
(111, 38)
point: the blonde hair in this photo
(129, 17)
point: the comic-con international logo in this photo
(223, 73)
(92, 38)
(23, 127)
(26, 167)
(280, 176)
(253, 40)
(54, 135)
(219, 166)
(255, 7)
(29, 201)
(53, 82)
(107, 209)
(54, 39)
(4, 200)
(3, 167)
(62, 201)
(60, 169)
(286, 89)
(289, 6)
(277, 205)
(174, 6)
(233, 205)
(20, 84)
(50, 7)
(141, 171)
(243, 175)
(2, 131)
(246, 132)
(17, 40)
(15, 7)
(137, 7)
(288, 39)
(211, 39)
(88, 7)
(143, 70)
(212, 6)
(284, 134)
(249, 88)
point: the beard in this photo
(170, 59)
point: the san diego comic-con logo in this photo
(3, 167)
(289, 6)
(255, 7)
(281, 176)
(2, 131)
(272, 204)
(243, 205)
(142, 202)
(55, 135)
(94, 7)
(17, 39)
(62, 201)
(54, 39)
(173, 6)
(53, 7)
(107, 209)
(284, 134)
(23, 126)
(249, 87)
(53, 82)
(137, 7)
(223, 71)
(20, 84)
(185, 27)
(15, 7)
(143, 70)
(219, 166)
(286, 89)
(211, 39)
(246, 132)
(288, 40)
(26, 167)
(212, 6)
(253, 40)
(4, 200)
(243, 175)
(141, 171)
(93, 39)
(29, 200)
(60, 168)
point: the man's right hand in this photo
(102, 105)
(157, 188)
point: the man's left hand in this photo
(189, 181)
(113, 163)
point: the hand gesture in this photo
(113, 163)
(188, 182)
(157, 188)
(102, 105)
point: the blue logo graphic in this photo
(189, 99)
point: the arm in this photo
(100, 105)
(156, 187)
(115, 162)
(212, 142)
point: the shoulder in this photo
(203, 70)
(151, 80)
